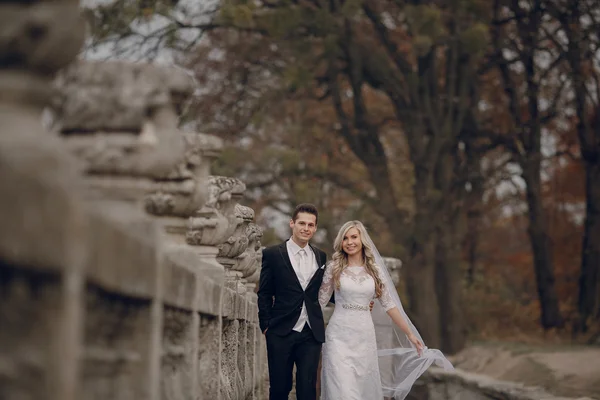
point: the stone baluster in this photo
(393, 266)
(235, 246)
(192, 279)
(218, 228)
(236, 337)
(249, 261)
(41, 247)
(120, 121)
(190, 269)
(216, 221)
(185, 189)
(226, 224)
(243, 253)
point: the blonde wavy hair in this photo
(340, 258)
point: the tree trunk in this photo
(420, 272)
(421, 287)
(448, 236)
(589, 281)
(541, 245)
(588, 132)
(472, 245)
(473, 209)
(448, 277)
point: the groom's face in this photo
(303, 228)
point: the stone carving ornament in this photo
(121, 118)
(249, 261)
(237, 243)
(40, 37)
(184, 189)
(216, 221)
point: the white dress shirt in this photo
(305, 271)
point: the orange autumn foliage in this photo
(503, 303)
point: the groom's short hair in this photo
(306, 208)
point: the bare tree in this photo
(580, 23)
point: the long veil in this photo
(399, 363)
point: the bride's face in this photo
(352, 244)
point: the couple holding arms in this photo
(296, 282)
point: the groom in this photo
(288, 308)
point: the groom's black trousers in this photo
(298, 348)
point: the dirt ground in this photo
(571, 371)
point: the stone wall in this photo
(127, 271)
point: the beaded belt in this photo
(355, 307)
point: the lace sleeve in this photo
(386, 300)
(326, 287)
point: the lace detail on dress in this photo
(326, 289)
(386, 300)
(357, 278)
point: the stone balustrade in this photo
(126, 270)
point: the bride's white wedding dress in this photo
(350, 369)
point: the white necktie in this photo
(302, 265)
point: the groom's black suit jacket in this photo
(280, 294)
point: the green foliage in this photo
(350, 8)
(293, 22)
(286, 159)
(475, 39)
(422, 45)
(238, 15)
(425, 20)
(331, 46)
(228, 163)
(478, 8)
(270, 237)
(323, 23)
(280, 23)
(297, 77)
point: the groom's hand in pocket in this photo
(371, 304)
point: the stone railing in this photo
(126, 270)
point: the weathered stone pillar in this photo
(193, 278)
(227, 224)
(120, 121)
(42, 240)
(393, 266)
(210, 228)
(241, 261)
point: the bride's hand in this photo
(413, 339)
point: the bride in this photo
(367, 356)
